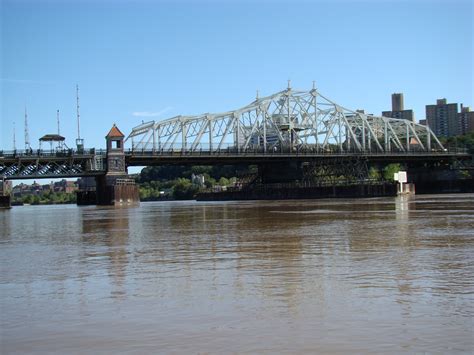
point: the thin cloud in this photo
(22, 81)
(151, 114)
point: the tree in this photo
(223, 181)
(374, 173)
(390, 170)
(183, 189)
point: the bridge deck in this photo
(51, 164)
(150, 158)
(45, 164)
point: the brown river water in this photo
(380, 275)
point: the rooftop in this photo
(114, 133)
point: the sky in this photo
(150, 60)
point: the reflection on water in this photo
(371, 275)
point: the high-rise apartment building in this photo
(398, 110)
(443, 118)
(466, 120)
(397, 102)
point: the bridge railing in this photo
(178, 150)
(20, 153)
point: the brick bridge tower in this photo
(116, 167)
(115, 188)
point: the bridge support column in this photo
(5, 194)
(113, 188)
(117, 190)
(5, 202)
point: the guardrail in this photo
(40, 153)
(224, 151)
(286, 152)
(124, 182)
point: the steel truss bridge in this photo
(52, 164)
(289, 126)
(289, 121)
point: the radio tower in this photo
(57, 119)
(79, 141)
(27, 136)
(59, 132)
(14, 136)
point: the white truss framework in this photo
(288, 121)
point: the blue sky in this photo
(142, 60)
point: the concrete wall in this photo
(126, 195)
(108, 193)
(285, 193)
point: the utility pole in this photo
(14, 137)
(60, 143)
(57, 119)
(79, 141)
(27, 136)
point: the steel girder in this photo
(289, 120)
(342, 170)
(51, 167)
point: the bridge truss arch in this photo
(287, 121)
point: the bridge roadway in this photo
(153, 158)
(92, 162)
(38, 164)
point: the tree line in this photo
(176, 180)
(44, 198)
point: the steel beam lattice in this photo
(51, 165)
(288, 121)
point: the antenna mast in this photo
(27, 136)
(77, 111)
(60, 143)
(14, 136)
(57, 119)
(79, 140)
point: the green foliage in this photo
(465, 141)
(173, 172)
(152, 180)
(209, 181)
(223, 181)
(374, 174)
(389, 170)
(46, 198)
(183, 189)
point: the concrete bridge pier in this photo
(5, 202)
(117, 191)
(5, 194)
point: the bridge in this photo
(283, 130)
(16, 165)
(289, 120)
(289, 125)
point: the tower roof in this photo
(114, 133)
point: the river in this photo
(379, 275)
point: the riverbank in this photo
(42, 203)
